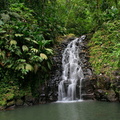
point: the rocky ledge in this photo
(95, 87)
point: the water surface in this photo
(86, 110)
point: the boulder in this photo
(106, 95)
(29, 100)
(111, 95)
(100, 94)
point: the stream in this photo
(85, 110)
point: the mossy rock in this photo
(64, 38)
(19, 102)
(103, 82)
(106, 95)
(2, 107)
(111, 95)
(10, 103)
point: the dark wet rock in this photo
(106, 95)
(118, 95)
(111, 95)
(116, 73)
(29, 100)
(57, 71)
(70, 39)
(25, 104)
(89, 71)
(102, 82)
(100, 94)
(88, 96)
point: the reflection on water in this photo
(86, 110)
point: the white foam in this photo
(72, 73)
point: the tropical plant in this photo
(24, 52)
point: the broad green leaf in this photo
(34, 50)
(24, 66)
(49, 65)
(6, 35)
(28, 39)
(43, 56)
(20, 66)
(34, 41)
(2, 53)
(13, 42)
(18, 35)
(9, 66)
(49, 50)
(28, 67)
(2, 31)
(21, 61)
(25, 48)
(36, 68)
(18, 52)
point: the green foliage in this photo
(104, 10)
(76, 16)
(8, 86)
(46, 11)
(73, 16)
(105, 48)
(24, 51)
(21, 40)
(26, 34)
(83, 16)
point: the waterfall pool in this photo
(85, 110)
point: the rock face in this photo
(52, 85)
(27, 100)
(105, 89)
(95, 87)
(56, 72)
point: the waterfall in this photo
(72, 74)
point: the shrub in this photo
(24, 52)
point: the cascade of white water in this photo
(72, 72)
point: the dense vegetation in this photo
(104, 48)
(29, 28)
(24, 52)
